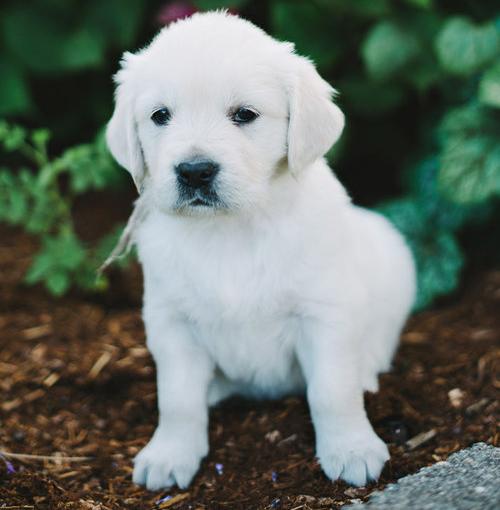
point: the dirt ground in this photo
(77, 402)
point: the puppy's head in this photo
(213, 110)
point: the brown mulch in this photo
(76, 381)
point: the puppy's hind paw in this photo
(355, 460)
(162, 464)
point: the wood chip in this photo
(414, 337)
(11, 404)
(34, 395)
(174, 500)
(51, 380)
(456, 397)
(103, 360)
(476, 406)
(420, 439)
(37, 332)
(273, 436)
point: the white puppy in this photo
(261, 278)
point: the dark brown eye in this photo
(244, 115)
(161, 117)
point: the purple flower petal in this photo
(162, 500)
(10, 468)
(172, 11)
(219, 468)
(274, 476)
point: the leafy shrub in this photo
(419, 81)
(38, 201)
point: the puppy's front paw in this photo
(355, 458)
(166, 461)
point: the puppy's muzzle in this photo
(198, 174)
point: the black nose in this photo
(196, 174)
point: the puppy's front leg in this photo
(180, 441)
(346, 444)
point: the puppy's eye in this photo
(161, 117)
(244, 115)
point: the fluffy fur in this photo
(283, 286)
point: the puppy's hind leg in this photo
(379, 344)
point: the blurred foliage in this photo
(419, 81)
(41, 202)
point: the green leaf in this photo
(52, 39)
(39, 44)
(40, 268)
(40, 138)
(463, 47)
(387, 49)
(90, 166)
(82, 49)
(14, 92)
(13, 138)
(58, 261)
(470, 169)
(207, 5)
(46, 212)
(438, 210)
(363, 9)
(437, 255)
(439, 265)
(116, 20)
(58, 283)
(489, 87)
(424, 74)
(467, 121)
(296, 21)
(358, 93)
(423, 4)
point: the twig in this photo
(172, 501)
(17, 507)
(55, 458)
(476, 406)
(420, 439)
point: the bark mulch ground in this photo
(77, 402)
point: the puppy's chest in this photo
(232, 283)
(240, 306)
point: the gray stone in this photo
(467, 480)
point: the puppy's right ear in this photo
(121, 132)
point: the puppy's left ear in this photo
(121, 132)
(315, 122)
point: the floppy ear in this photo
(315, 122)
(121, 132)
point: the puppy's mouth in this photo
(197, 202)
(199, 199)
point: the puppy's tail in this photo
(127, 238)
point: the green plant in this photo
(458, 178)
(40, 202)
(44, 38)
(419, 81)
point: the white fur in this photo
(288, 287)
